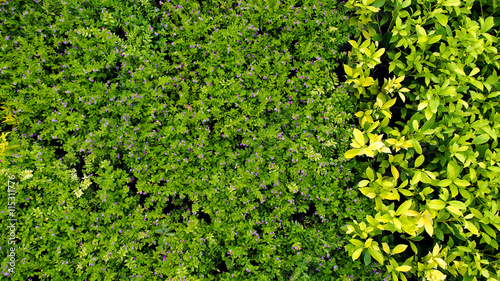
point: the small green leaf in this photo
(481, 139)
(416, 146)
(367, 258)
(451, 3)
(457, 204)
(378, 3)
(434, 105)
(442, 19)
(476, 213)
(445, 182)
(474, 72)
(454, 210)
(370, 174)
(488, 24)
(376, 255)
(406, 3)
(461, 183)
(419, 160)
(460, 71)
(452, 174)
(404, 207)
(436, 205)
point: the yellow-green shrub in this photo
(439, 166)
(4, 144)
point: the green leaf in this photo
(460, 71)
(481, 139)
(370, 174)
(389, 103)
(434, 105)
(451, 3)
(489, 230)
(420, 30)
(476, 213)
(461, 183)
(490, 132)
(488, 24)
(452, 174)
(419, 160)
(454, 210)
(378, 3)
(474, 72)
(457, 204)
(416, 146)
(436, 205)
(376, 255)
(413, 247)
(367, 258)
(404, 207)
(406, 3)
(442, 19)
(445, 182)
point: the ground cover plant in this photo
(178, 140)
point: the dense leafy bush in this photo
(178, 141)
(437, 158)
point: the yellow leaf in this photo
(397, 224)
(348, 70)
(404, 207)
(399, 249)
(368, 152)
(436, 249)
(428, 226)
(403, 268)
(363, 183)
(351, 153)
(356, 242)
(395, 172)
(471, 227)
(358, 135)
(376, 145)
(454, 210)
(368, 243)
(386, 248)
(356, 254)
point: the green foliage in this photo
(438, 163)
(223, 126)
